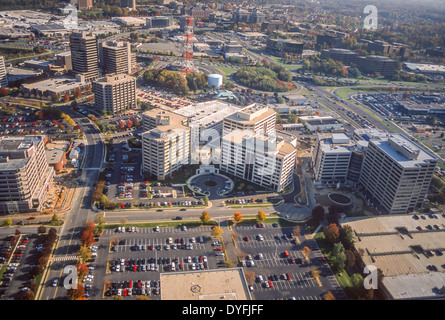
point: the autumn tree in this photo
(205, 217)
(84, 254)
(76, 294)
(328, 296)
(306, 252)
(87, 238)
(89, 226)
(82, 270)
(216, 231)
(261, 216)
(237, 217)
(332, 234)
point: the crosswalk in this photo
(65, 258)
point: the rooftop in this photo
(403, 151)
(207, 113)
(397, 246)
(227, 284)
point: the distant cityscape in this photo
(241, 150)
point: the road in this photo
(75, 219)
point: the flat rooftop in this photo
(207, 113)
(396, 245)
(402, 150)
(227, 284)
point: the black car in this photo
(178, 218)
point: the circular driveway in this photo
(210, 184)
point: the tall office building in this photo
(331, 158)
(130, 4)
(84, 55)
(115, 57)
(25, 176)
(166, 144)
(263, 159)
(115, 93)
(256, 118)
(3, 73)
(396, 174)
(85, 4)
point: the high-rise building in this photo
(85, 4)
(165, 144)
(263, 159)
(25, 176)
(84, 55)
(255, 117)
(331, 157)
(115, 57)
(115, 93)
(396, 174)
(130, 4)
(3, 73)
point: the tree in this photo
(350, 258)
(7, 222)
(318, 213)
(216, 231)
(41, 229)
(328, 296)
(205, 217)
(347, 237)
(332, 234)
(100, 219)
(89, 226)
(261, 216)
(306, 251)
(338, 257)
(237, 217)
(87, 238)
(76, 294)
(84, 254)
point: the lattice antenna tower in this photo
(187, 55)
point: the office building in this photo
(255, 117)
(347, 57)
(208, 116)
(25, 176)
(63, 59)
(115, 57)
(115, 93)
(396, 174)
(84, 55)
(159, 22)
(3, 73)
(129, 4)
(377, 65)
(323, 123)
(331, 157)
(85, 4)
(266, 160)
(165, 144)
(284, 46)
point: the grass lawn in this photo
(226, 70)
(342, 276)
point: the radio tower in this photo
(187, 55)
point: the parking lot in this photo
(279, 266)
(144, 253)
(131, 261)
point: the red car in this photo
(288, 276)
(217, 249)
(246, 238)
(270, 284)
